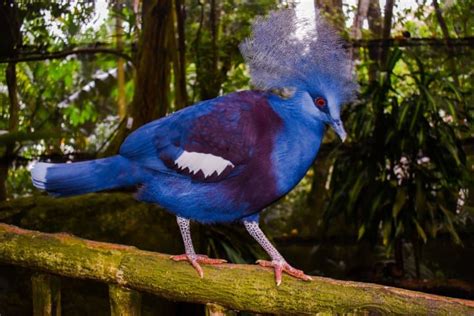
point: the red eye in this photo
(320, 102)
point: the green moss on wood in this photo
(46, 292)
(218, 310)
(124, 301)
(115, 217)
(239, 287)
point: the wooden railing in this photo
(129, 271)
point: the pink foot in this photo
(195, 260)
(282, 266)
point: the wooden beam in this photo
(238, 287)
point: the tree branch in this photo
(67, 52)
(241, 287)
(453, 42)
(407, 42)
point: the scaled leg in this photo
(278, 262)
(190, 254)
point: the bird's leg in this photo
(278, 263)
(190, 254)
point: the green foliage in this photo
(213, 48)
(19, 182)
(401, 174)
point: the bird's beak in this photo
(339, 129)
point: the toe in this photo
(299, 274)
(197, 267)
(180, 258)
(195, 261)
(278, 273)
(280, 267)
(265, 263)
(207, 260)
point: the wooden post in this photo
(124, 301)
(46, 290)
(218, 310)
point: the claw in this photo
(194, 260)
(282, 266)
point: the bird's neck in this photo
(295, 150)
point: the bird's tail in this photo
(65, 179)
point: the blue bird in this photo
(226, 159)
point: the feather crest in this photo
(286, 50)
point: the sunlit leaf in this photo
(420, 231)
(400, 200)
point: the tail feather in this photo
(65, 179)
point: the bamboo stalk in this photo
(238, 287)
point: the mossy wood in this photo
(46, 291)
(240, 287)
(124, 301)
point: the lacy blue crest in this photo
(285, 50)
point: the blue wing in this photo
(208, 142)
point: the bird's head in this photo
(328, 111)
(304, 56)
(327, 103)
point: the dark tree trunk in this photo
(207, 56)
(374, 17)
(360, 16)
(152, 84)
(387, 28)
(213, 28)
(12, 39)
(14, 108)
(417, 247)
(399, 258)
(181, 96)
(121, 102)
(370, 10)
(152, 81)
(332, 9)
(445, 31)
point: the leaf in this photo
(429, 97)
(232, 254)
(400, 229)
(13, 137)
(455, 90)
(386, 232)
(420, 230)
(394, 58)
(403, 115)
(420, 197)
(414, 118)
(400, 200)
(361, 232)
(450, 226)
(355, 192)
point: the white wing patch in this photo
(207, 163)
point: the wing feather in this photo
(206, 142)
